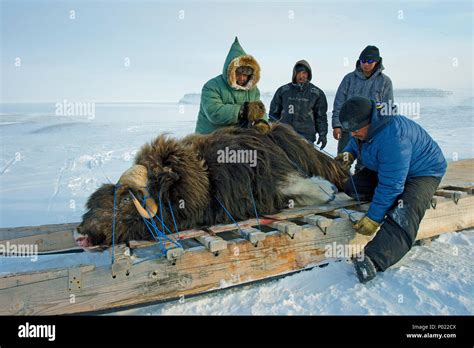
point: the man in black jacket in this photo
(302, 105)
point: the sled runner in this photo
(219, 257)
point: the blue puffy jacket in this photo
(396, 148)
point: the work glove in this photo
(345, 159)
(252, 111)
(366, 226)
(322, 140)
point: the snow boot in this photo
(365, 269)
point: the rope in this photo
(349, 214)
(157, 237)
(355, 189)
(255, 208)
(174, 221)
(330, 196)
(228, 214)
(157, 234)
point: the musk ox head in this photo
(130, 192)
(164, 169)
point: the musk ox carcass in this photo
(197, 175)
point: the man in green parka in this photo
(232, 98)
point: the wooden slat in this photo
(7, 233)
(459, 173)
(46, 241)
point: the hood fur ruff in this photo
(245, 60)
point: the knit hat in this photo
(355, 113)
(244, 70)
(370, 52)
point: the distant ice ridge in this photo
(190, 98)
(195, 98)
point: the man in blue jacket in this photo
(403, 168)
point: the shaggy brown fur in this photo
(187, 174)
(255, 111)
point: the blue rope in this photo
(349, 214)
(355, 189)
(157, 234)
(330, 196)
(162, 233)
(255, 208)
(174, 220)
(163, 225)
(228, 214)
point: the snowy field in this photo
(50, 164)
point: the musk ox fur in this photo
(190, 177)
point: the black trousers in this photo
(400, 226)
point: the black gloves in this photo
(322, 140)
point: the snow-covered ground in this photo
(51, 163)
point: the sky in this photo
(159, 50)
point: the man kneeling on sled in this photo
(403, 168)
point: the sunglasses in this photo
(368, 61)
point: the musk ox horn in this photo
(137, 177)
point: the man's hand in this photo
(252, 111)
(345, 159)
(366, 226)
(323, 141)
(336, 133)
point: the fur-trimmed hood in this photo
(236, 58)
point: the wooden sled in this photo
(288, 242)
